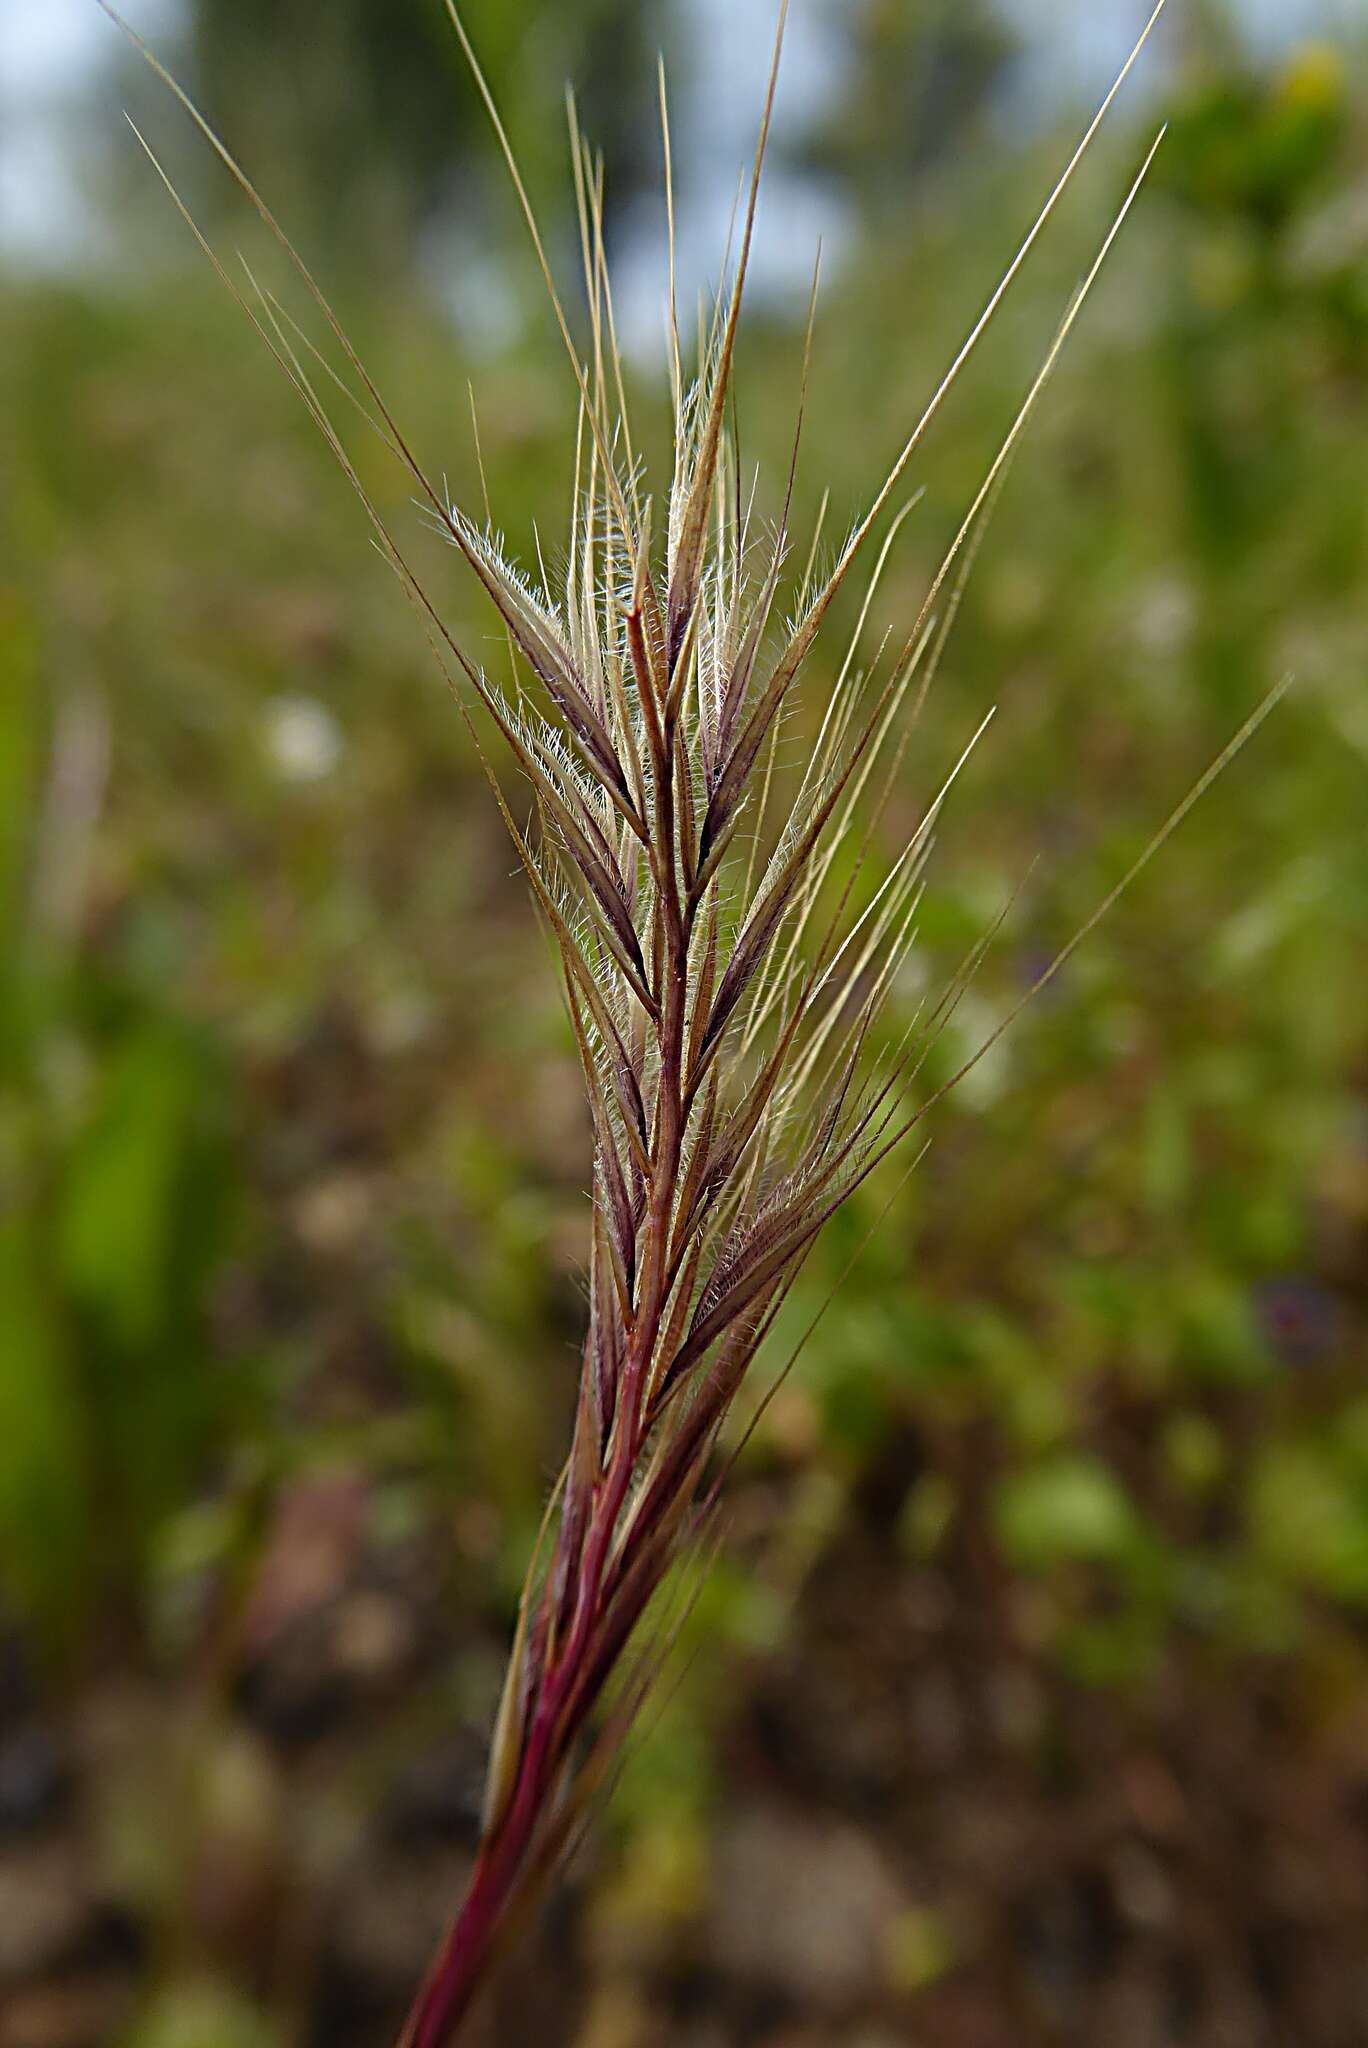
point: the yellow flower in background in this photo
(1312, 81)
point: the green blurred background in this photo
(1028, 1703)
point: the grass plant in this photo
(726, 957)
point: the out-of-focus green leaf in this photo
(1308, 1514)
(139, 1219)
(203, 2014)
(20, 736)
(45, 1503)
(120, 1213)
(1070, 1508)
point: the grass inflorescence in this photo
(725, 956)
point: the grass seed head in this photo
(723, 958)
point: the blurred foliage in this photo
(366, 130)
(922, 77)
(291, 1150)
(117, 1124)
